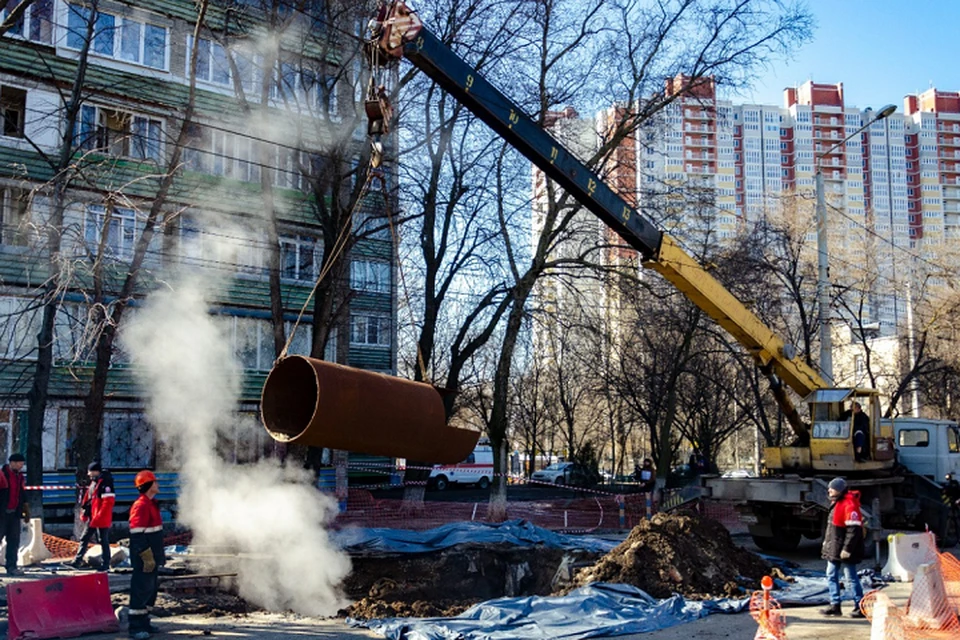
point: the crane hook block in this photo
(323, 404)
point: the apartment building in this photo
(127, 124)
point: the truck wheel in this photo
(783, 541)
(786, 540)
(951, 533)
(441, 483)
(765, 543)
(484, 483)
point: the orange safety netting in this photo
(931, 611)
(772, 624)
(60, 547)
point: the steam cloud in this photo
(271, 516)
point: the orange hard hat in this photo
(143, 478)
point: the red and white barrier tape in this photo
(50, 487)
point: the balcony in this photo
(691, 155)
(950, 168)
(821, 148)
(949, 128)
(949, 141)
(822, 134)
(828, 122)
(697, 114)
(698, 142)
(699, 128)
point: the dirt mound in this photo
(450, 581)
(679, 554)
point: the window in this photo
(253, 343)
(232, 250)
(371, 277)
(119, 133)
(370, 329)
(118, 37)
(325, 94)
(13, 107)
(119, 235)
(914, 438)
(298, 257)
(212, 62)
(15, 206)
(953, 440)
(36, 24)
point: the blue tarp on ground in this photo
(593, 611)
(514, 532)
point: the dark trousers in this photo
(103, 536)
(143, 595)
(11, 533)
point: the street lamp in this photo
(823, 274)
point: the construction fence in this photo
(931, 610)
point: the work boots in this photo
(832, 610)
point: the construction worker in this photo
(843, 545)
(96, 513)
(146, 554)
(861, 431)
(12, 494)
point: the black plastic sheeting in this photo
(514, 532)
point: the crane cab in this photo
(833, 423)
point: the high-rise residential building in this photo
(129, 113)
(705, 167)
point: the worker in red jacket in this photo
(146, 554)
(96, 513)
(843, 545)
(13, 507)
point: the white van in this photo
(477, 469)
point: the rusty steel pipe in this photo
(323, 404)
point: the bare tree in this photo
(105, 318)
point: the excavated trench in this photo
(668, 554)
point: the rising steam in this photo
(271, 516)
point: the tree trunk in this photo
(38, 395)
(501, 384)
(94, 403)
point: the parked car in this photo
(565, 473)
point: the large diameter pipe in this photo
(323, 404)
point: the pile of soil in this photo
(448, 582)
(679, 554)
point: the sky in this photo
(880, 50)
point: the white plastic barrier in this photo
(886, 623)
(34, 552)
(907, 552)
(3, 545)
(928, 607)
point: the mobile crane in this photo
(779, 509)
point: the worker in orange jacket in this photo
(96, 505)
(146, 554)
